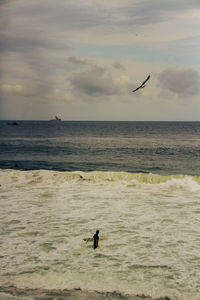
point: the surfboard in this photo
(102, 238)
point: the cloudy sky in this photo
(81, 59)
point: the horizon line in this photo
(47, 120)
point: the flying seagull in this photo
(142, 85)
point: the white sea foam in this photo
(46, 177)
(151, 222)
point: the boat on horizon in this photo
(14, 123)
(56, 119)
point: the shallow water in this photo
(151, 223)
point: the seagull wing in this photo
(137, 89)
(145, 80)
(141, 84)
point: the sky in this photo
(81, 59)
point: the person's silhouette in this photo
(96, 239)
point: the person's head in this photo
(97, 232)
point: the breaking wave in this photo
(45, 177)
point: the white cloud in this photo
(123, 80)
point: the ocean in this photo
(138, 183)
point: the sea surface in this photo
(137, 182)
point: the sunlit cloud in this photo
(11, 89)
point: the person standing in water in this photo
(96, 239)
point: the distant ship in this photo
(56, 119)
(14, 123)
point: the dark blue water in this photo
(156, 147)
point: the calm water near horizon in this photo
(158, 147)
(137, 182)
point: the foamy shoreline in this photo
(12, 292)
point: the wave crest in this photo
(55, 178)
